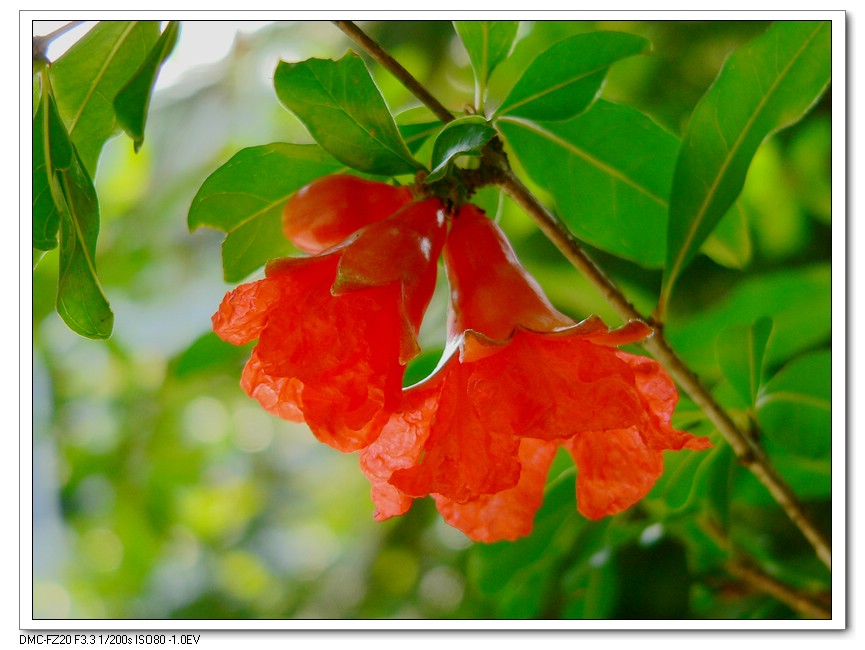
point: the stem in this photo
(749, 453)
(391, 65)
(802, 604)
(41, 43)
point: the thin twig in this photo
(41, 43)
(798, 602)
(391, 65)
(749, 453)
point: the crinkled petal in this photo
(660, 395)
(463, 458)
(615, 469)
(399, 445)
(278, 395)
(243, 312)
(552, 387)
(509, 514)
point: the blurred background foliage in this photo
(162, 491)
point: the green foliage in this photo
(52, 153)
(132, 101)
(564, 80)
(344, 111)
(740, 355)
(88, 77)
(764, 87)
(488, 43)
(81, 302)
(609, 172)
(794, 410)
(245, 197)
(461, 137)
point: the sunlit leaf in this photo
(764, 86)
(245, 197)
(488, 43)
(609, 172)
(52, 152)
(463, 136)
(564, 80)
(740, 350)
(730, 243)
(133, 100)
(344, 111)
(87, 78)
(81, 302)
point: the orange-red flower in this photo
(328, 210)
(336, 330)
(522, 380)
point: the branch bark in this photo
(806, 606)
(747, 450)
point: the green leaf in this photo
(89, 75)
(565, 79)
(795, 408)
(764, 86)
(798, 300)
(730, 243)
(463, 136)
(344, 111)
(245, 197)
(609, 173)
(133, 100)
(740, 350)
(81, 302)
(488, 43)
(52, 152)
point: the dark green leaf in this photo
(740, 350)
(89, 75)
(565, 79)
(795, 408)
(609, 172)
(798, 300)
(81, 301)
(463, 136)
(133, 100)
(763, 87)
(245, 197)
(488, 43)
(344, 111)
(415, 135)
(730, 243)
(52, 152)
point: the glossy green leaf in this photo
(87, 78)
(609, 172)
(565, 79)
(52, 152)
(730, 243)
(344, 111)
(488, 43)
(795, 408)
(740, 350)
(763, 87)
(81, 302)
(463, 136)
(798, 300)
(133, 100)
(245, 197)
